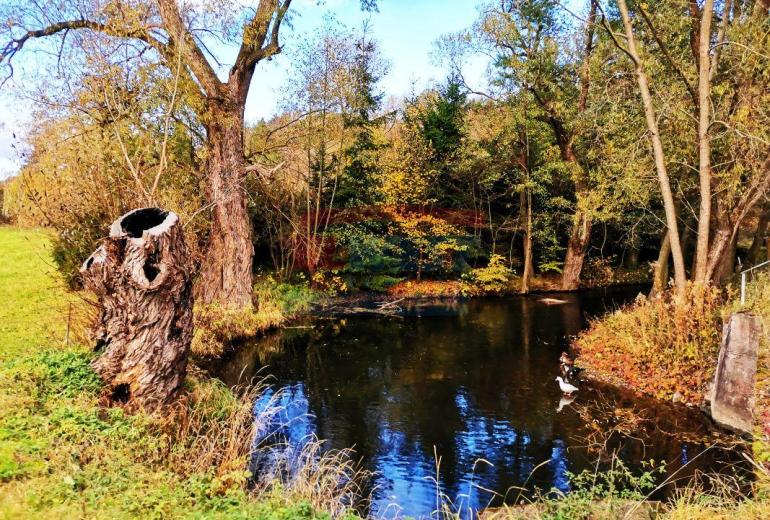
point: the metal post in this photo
(743, 279)
(743, 287)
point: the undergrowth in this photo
(657, 345)
(218, 326)
(495, 278)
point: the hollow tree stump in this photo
(140, 277)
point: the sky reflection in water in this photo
(470, 382)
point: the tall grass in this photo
(217, 431)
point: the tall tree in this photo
(526, 39)
(657, 145)
(176, 32)
(440, 120)
(357, 185)
(704, 139)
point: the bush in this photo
(329, 282)
(495, 278)
(658, 345)
(289, 299)
(54, 372)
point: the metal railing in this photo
(744, 275)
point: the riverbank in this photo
(281, 303)
(669, 350)
(62, 455)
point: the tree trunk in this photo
(226, 274)
(767, 249)
(726, 265)
(752, 257)
(720, 244)
(528, 264)
(140, 275)
(581, 227)
(576, 251)
(632, 260)
(661, 273)
(657, 147)
(704, 142)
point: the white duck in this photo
(567, 388)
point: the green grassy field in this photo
(33, 305)
(63, 456)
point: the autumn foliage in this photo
(658, 345)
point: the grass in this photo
(64, 456)
(217, 327)
(30, 293)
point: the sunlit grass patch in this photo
(64, 456)
(34, 307)
(218, 326)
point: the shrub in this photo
(495, 278)
(329, 282)
(54, 372)
(658, 345)
(290, 299)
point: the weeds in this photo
(606, 494)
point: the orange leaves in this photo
(656, 345)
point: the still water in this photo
(470, 384)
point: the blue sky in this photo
(406, 31)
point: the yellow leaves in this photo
(494, 279)
(406, 174)
(329, 282)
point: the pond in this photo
(464, 392)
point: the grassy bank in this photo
(218, 328)
(669, 350)
(657, 346)
(63, 456)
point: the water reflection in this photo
(471, 383)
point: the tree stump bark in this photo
(140, 276)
